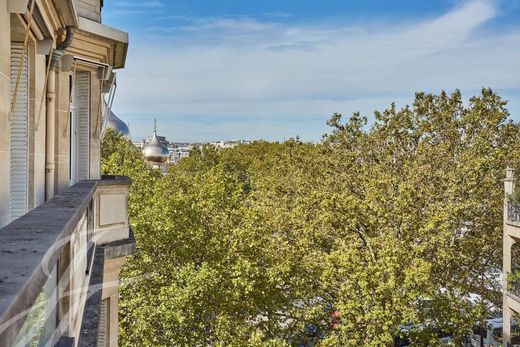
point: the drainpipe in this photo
(50, 127)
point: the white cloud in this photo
(139, 4)
(126, 8)
(274, 75)
(278, 14)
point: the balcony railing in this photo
(52, 264)
(513, 212)
(513, 285)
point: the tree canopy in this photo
(377, 230)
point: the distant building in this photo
(144, 142)
(113, 122)
(162, 140)
(155, 152)
(510, 269)
(228, 144)
(179, 152)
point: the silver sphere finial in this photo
(154, 150)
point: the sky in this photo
(271, 69)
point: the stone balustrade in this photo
(53, 263)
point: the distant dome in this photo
(155, 151)
(116, 124)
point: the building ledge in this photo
(120, 248)
(31, 242)
(65, 341)
(31, 245)
(118, 37)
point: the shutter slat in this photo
(82, 125)
(102, 328)
(19, 136)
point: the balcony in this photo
(513, 284)
(513, 212)
(58, 263)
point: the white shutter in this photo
(19, 136)
(103, 324)
(82, 128)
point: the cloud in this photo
(249, 77)
(126, 8)
(139, 4)
(278, 14)
(228, 25)
(181, 17)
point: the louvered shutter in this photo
(103, 324)
(19, 133)
(82, 109)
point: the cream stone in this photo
(84, 232)
(112, 209)
(511, 235)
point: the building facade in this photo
(510, 269)
(64, 229)
(178, 152)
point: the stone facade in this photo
(68, 61)
(511, 292)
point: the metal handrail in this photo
(514, 287)
(513, 212)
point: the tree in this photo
(373, 233)
(121, 158)
(417, 205)
(202, 265)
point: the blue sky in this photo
(272, 69)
